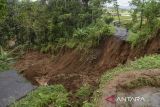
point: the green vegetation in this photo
(89, 36)
(124, 19)
(142, 20)
(5, 60)
(84, 91)
(143, 81)
(116, 6)
(49, 26)
(2, 10)
(138, 37)
(147, 62)
(55, 95)
(86, 104)
(145, 16)
(83, 94)
(124, 15)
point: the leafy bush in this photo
(86, 104)
(139, 37)
(5, 60)
(89, 36)
(133, 38)
(54, 95)
(112, 29)
(108, 20)
(135, 27)
(84, 91)
(83, 94)
(54, 25)
(128, 25)
(3, 10)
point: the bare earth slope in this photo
(73, 68)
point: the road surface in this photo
(13, 87)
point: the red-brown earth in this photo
(73, 68)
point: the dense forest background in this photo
(49, 25)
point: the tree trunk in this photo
(141, 20)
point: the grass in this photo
(82, 95)
(140, 37)
(84, 91)
(143, 81)
(147, 62)
(55, 95)
(133, 38)
(123, 19)
(86, 104)
(5, 60)
(112, 29)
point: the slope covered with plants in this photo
(132, 80)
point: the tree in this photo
(139, 8)
(152, 13)
(3, 9)
(49, 23)
(3, 13)
(148, 9)
(116, 6)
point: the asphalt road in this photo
(13, 87)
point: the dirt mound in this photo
(121, 86)
(73, 68)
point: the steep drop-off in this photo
(72, 68)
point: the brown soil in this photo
(73, 68)
(118, 87)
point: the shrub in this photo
(83, 94)
(90, 36)
(84, 91)
(86, 104)
(139, 37)
(108, 20)
(133, 38)
(5, 60)
(54, 95)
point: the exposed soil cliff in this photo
(72, 68)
